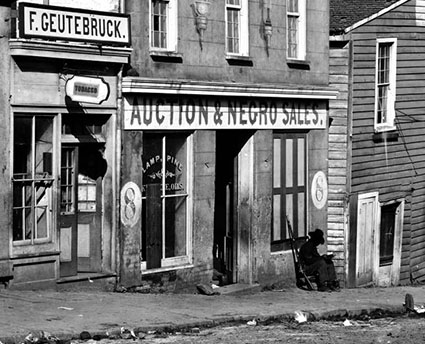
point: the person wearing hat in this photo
(315, 263)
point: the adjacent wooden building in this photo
(376, 147)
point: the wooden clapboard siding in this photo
(396, 169)
(339, 77)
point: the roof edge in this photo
(374, 16)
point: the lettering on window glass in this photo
(153, 172)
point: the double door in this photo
(80, 232)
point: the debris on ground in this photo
(127, 334)
(252, 322)
(40, 337)
(347, 323)
(206, 290)
(300, 317)
(409, 305)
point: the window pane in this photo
(300, 161)
(152, 160)
(68, 180)
(292, 36)
(387, 230)
(276, 218)
(276, 163)
(176, 165)
(42, 208)
(22, 159)
(301, 214)
(292, 5)
(159, 23)
(290, 210)
(175, 227)
(289, 163)
(233, 30)
(43, 146)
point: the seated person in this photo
(314, 263)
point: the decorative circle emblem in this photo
(319, 190)
(131, 204)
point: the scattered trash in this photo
(214, 286)
(90, 280)
(127, 334)
(300, 317)
(253, 322)
(347, 323)
(40, 337)
(66, 308)
(206, 289)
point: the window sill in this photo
(385, 136)
(166, 56)
(239, 60)
(298, 64)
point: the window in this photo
(32, 179)
(163, 25)
(296, 29)
(385, 84)
(289, 187)
(165, 199)
(237, 27)
(387, 233)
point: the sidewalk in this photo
(67, 314)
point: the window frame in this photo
(389, 123)
(284, 242)
(243, 27)
(301, 32)
(170, 29)
(175, 262)
(33, 180)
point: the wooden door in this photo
(82, 172)
(68, 216)
(366, 242)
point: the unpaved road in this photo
(403, 330)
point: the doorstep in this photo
(239, 288)
(88, 280)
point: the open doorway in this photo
(225, 250)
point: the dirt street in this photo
(406, 330)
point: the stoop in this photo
(239, 288)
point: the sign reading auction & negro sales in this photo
(144, 112)
(70, 24)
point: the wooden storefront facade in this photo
(376, 148)
(59, 139)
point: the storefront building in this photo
(59, 138)
(225, 124)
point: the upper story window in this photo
(296, 29)
(385, 87)
(163, 25)
(237, 27)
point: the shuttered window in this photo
(289, 187)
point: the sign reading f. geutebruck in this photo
(71, 24)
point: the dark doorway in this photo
(228, 146)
